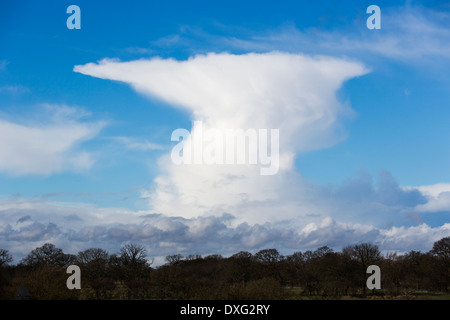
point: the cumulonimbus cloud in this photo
(290, 92)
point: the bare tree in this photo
(95, 271)
(92, 254)
(174, 259)
(5, 257)
(133, 254)
(322, 252)
(48, 254)
(135, 268)
(365, 254)
(242, 255)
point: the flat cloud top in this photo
(252, 90)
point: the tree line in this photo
(266, 274)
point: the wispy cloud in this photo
(14, 89)
(408, 34)
(138, 51)
(134, 144)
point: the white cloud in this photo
(409, 34)
(438, 197)
(27, 224)
(432, 191)
(47, 145)
(13, 89)
(133, 144)
(291, 92)
(405, 238)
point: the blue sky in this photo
(86, 140)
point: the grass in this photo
(298, 293)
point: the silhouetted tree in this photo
(240, 267)
(5, 257)
(268, 256)
(5, 274)
(394, 273)
(441, 250)
(322, 252)
(135, 269)
(295, 269)
(365, 254)
(174, 259)
(269, 259)
(94, 266)
(43, 271)
(265, 275)
(415, 269)
(133, 254)
(48, 254)
(92, 254)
